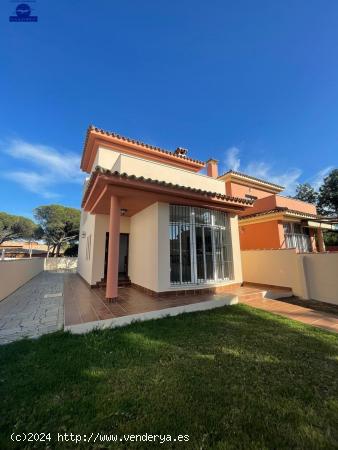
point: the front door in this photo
(123, 255)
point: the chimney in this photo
(212, 168)
(180, 151)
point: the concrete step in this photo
(124, 282)
(272, 292)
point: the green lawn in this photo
(233, 377)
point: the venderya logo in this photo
(23, 14)
(23, 10)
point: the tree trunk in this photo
(58, 249)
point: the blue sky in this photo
(251, 83)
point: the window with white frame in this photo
(297, 237)
(200, 245)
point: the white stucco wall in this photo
(143, 248)
(163, 249)
(273, 267)
(96, 226)
(321, 272)
(236, 249)
(61, 263)
(15, 273)
(310, 275)
(99, 243)
(132, 165)
(87, 228)
(149, 248)
(105, 158)
(149, 169)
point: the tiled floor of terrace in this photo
(311, 313)
(84, 305)
(37, 307)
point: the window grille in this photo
(200, 246)
(295, 237)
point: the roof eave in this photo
(219, 200)
(277, 214)
(251, 181)
(97, 136)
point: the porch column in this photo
(113, 249)
(313, 240)
(281, 235)
(320, 240)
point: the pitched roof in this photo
(280, 209)
(249, 177)
(116, 174)
(137, 142)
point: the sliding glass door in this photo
(200, 245)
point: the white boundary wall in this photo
(14, 273)
(321, 272)
(309, 275)
(61, 263)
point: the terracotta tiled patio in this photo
(84, 305)
(296, 312)
(86, 308)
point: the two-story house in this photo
(275, 221)
(150, 216)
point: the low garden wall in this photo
(321, 270)
(309, 275)
(62, 263)
(16, 272)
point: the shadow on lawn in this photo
(232, 376)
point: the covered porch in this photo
(145, 203)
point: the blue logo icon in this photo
(23, 14)
(23, 10)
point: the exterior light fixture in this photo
(123, 211)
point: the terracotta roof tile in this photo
(134, 141)
(249, 177)
(280, 210)
(99, 170)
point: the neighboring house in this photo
(22, 249)
(150, 216)
(275, 221)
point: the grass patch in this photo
(229, 378)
